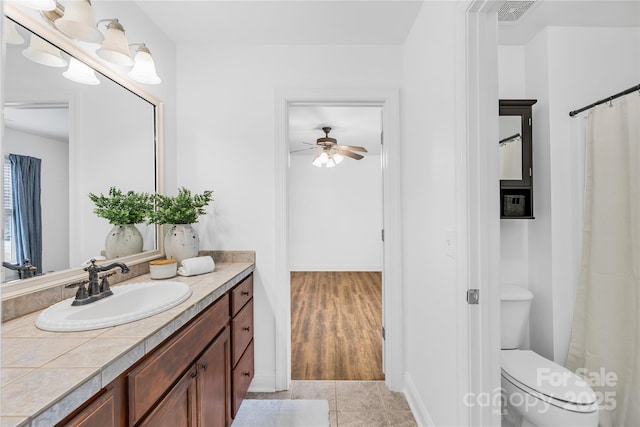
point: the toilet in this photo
(537, 391)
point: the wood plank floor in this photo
(336, 324)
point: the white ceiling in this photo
(308, 22)
(350, 125)
(570, 13)
(50, 121)
(359, 22)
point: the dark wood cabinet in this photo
(214, 383)
(190, 379)
(241, 341)
(516, 158)
(107, 408)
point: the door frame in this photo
(388, 99)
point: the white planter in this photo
(123, 240)
(181, 242)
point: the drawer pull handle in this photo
(246, 328)
(246, 374)
(194, 374)
(245, 293)
(202, 366)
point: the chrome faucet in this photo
(25, 271)
(98, 286)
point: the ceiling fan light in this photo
(115, 47)
(42, 52)
(330, 163)
(320, 160)
(78, 22)
(81, 73)
(338, 158)
(11, 34)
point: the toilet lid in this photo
(546, 377)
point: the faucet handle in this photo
(105, 290)
(82, 293)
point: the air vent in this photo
(511, 11)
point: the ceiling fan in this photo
(332, 153)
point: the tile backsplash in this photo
(38, 300)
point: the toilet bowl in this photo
(537, 391)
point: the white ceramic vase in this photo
(123, 240)
(181, 242)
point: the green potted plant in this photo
(123, 211)
(180, 211)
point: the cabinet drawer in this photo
(241, 332)
(241, 294)
(149, 380)
(242, 376)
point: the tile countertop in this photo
(46, 375)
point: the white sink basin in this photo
(128, 303)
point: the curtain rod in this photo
(602, 101)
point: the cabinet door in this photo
(214, 383)
(107, 410)
(178, 408)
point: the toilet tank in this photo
(515, 302)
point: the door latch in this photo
(473, 296)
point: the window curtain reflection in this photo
(27, 213)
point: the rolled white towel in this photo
(196, 265)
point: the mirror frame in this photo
(42, 29)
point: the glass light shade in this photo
(44, 53)
(81, 73)
(144, 69)
(11, 34)
(78, 22)
(115, 47)
(330, 163)
(338, 158)
(37, 4)
(320, 160)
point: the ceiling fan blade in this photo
(303, 149)
(353, 148)
(308, 143)
(349, 153)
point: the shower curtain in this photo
(605, 337)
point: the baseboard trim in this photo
(420, 413)
(263, 383)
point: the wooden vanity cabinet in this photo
(198, 377)
(241, 341)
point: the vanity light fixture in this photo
(42, 52)
(78, 22)
(144, 69)
(79, 72)
(37, 4)
(11, 34)
(115, 47)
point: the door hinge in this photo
(383, 333)
(473, 296)
(382, 234)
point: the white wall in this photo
(54, 188)
(566, 68)
(428, 206)
(226, 140)
(335, 215)
(514, 242)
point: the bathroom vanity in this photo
(190, 365)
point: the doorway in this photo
(388, 100)
(336, 251)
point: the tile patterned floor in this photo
(352, 403)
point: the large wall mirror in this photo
(87, 138)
